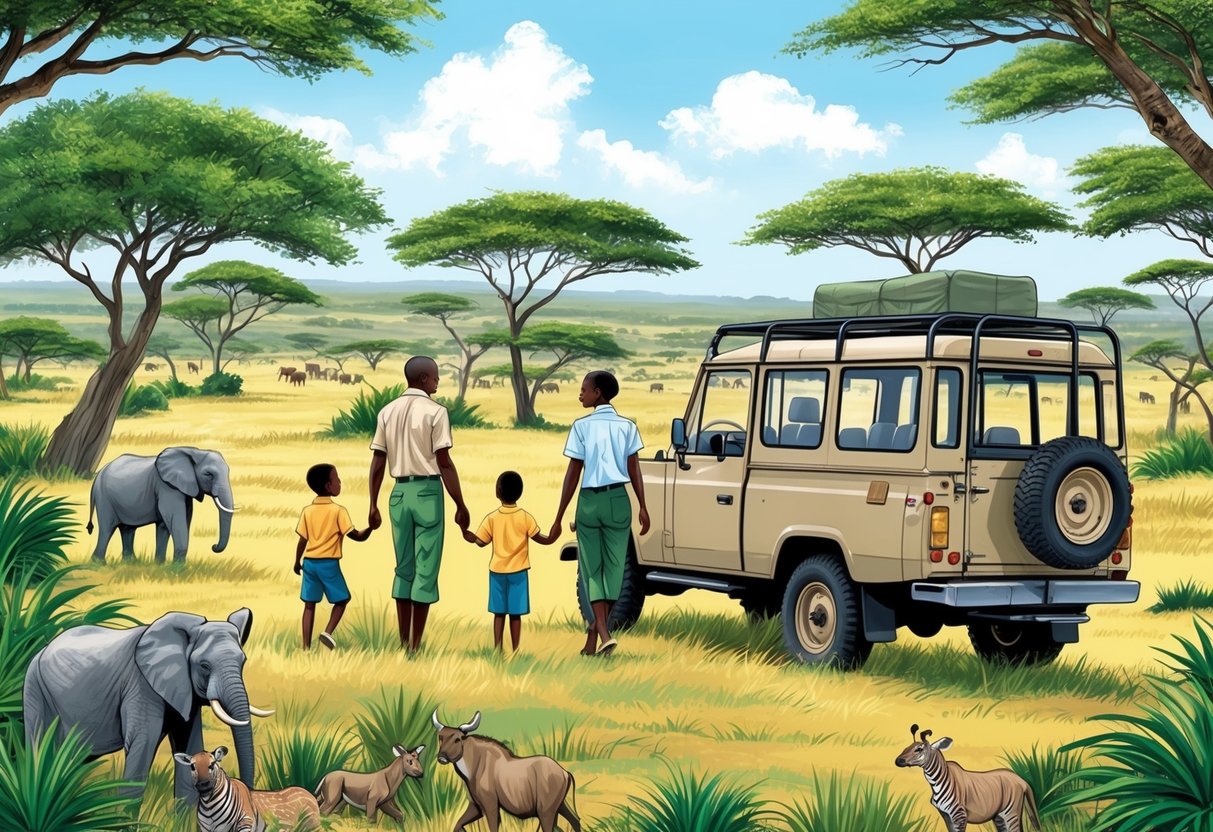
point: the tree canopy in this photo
(375, 350)
(33, 340)
(1145, 56)
(310, 341)
(443, 307)
(1103, 302)
(159, 180)
(917, 216)
(531, 245)
(49, 41)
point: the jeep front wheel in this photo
(1009, 642)
(822, 623)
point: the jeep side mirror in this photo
(717, 444)
(678, 438)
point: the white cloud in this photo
(754, 111)
(640, 168)
(1010, 159)
(514, 106)
(331, 131)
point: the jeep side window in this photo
(946, 415)
(1022, 409)
(878, 409)
(724, 411)
(795, 400)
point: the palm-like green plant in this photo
(690, 802)
(1189, 452)
(33, 532)
(360, 419)
(856, 804)
(301, 757)
(1053, 775)
(50, 787)
(1188, 594)
(1159, 769)
(21, 448)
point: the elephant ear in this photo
(176, 467)
(243, 619)
(162, 654)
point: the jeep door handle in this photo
(724, 499)
(962, 489)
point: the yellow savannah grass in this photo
(663, 696)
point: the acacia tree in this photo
(34, 340)
(531, 245)
(309, 341)
(443, 307)
(162, 346)
(374, 351)
(249, 293)
(1103, 302)
(1149, 57)
(306, 38)
(1161, 355)
(916, 216)
(197, 314)
(158, 180)
(239, 350)
(566, 343)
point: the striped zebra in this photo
(963, 797)
(226, 805)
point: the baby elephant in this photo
(372, 791)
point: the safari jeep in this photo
(858, 475)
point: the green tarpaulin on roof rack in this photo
(927, 293)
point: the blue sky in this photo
(686, 109)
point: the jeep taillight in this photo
(939, 527)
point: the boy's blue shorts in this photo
(322, 578)
(509, 593)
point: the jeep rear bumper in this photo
(1029, 593)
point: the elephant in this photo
(133, 491)
(129, 688)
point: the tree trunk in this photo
(524, 410)
(171, 367)
(216, 354)
(1173, 411)
(81, 438)
(3, 385)
(465, 374)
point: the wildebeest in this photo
(657, 387)
(372, 791)
(549, 387)
(357, 378)
(298, 379)
(481, 382)
(193, 368)
(150, 367)
(739, 384)
(331, 373)
(964, 797)
(496, 779)
(345, 378)
(285, 373)
(1143, 396)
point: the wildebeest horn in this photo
(419, 749)
(438, 726)
(914, 731)
(469, 727)
(925, 734)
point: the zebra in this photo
(226, 805)
(963, 797)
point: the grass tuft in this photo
(299, 757)
(21, 448)
(689, 802)
(853, 803)
(49, 384)
(1184, 454)
(1053, 776)
(1185, 595)
(717, 633)
(360, 420)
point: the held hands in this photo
(374, 520)
(462, 518)
(469, 537)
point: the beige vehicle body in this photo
(887, 447)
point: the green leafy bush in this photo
(18, 384)
(462, 414)
(853, 803)
(1053, 776)
(222, 384)
(540, 423)
(139, 399)
(359, 420)
(1187, 453)
(1185, 595)
(301, 757)
(52, 788)
(34, 531)
(21, 448)
(173, 388)
(689, 802)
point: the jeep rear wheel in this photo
(631, 597)
(1072, 502)
(822, 623)
(1010, 642)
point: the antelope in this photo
(961, 796)
(373, 791)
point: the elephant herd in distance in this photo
(299, 377)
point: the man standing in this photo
(412, 441)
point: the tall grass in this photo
(1158, 769)
(689, 802)
(34, 531)
(50, 787)
(718, 633)
(18, 384)
(1053, 775)
(1189, 452)
(360, 420)
(1185, 595)
(568, 744)
(301, 757)
(854, 804)
(21, 448)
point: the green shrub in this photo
(1187, 453)
(1158, 772)
(173, 388)
(853, 803)
(301, 757)
(18, 384)
(34, 531)
(688, 802)
(1185, 595)
(52, 788)
(1053, 776)
(540, 423)
(221, 384)
(462, 414)
(21, 448)
(360, 419)
(139, 399)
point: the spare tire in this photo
(1072, 502)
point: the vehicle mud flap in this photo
(1064, 632)
(879, 621)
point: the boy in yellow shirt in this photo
(322, 525)
(509, 529)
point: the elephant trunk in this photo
(223, 500)
(232, 697)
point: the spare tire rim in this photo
(1083, 507)
(815, 618)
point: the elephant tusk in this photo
(261, 712)
(223, 715)
(222, 507)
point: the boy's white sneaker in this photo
(328, 641)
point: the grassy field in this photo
(693, 685)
